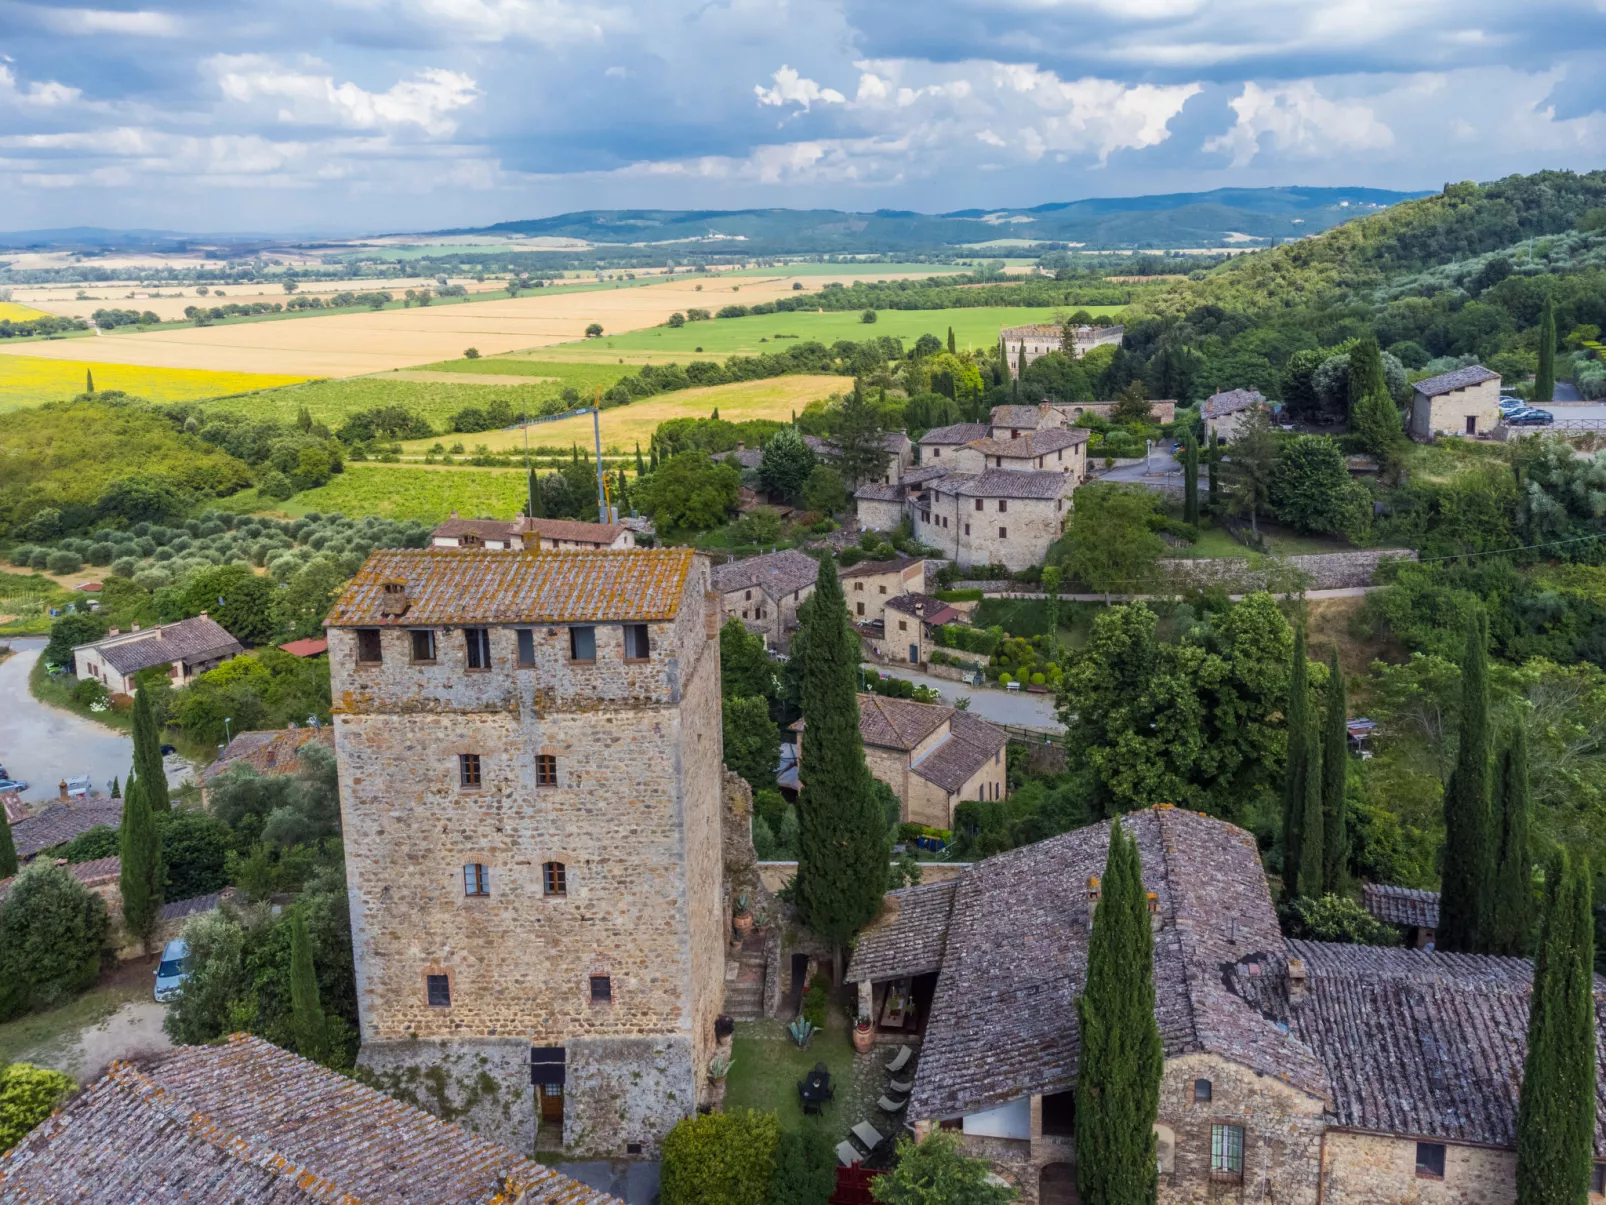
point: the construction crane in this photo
(604, 510)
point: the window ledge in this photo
(424, 663)
(1422, 1175)
(482, 669)
(581, 661)
(638, 660)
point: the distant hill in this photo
(1207, 219)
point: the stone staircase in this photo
(744, 979)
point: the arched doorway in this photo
(1057, 1185)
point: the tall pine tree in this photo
(1335, 775)
(843, 847)
(952, 350)
(1468, 844)
(1556, 1110)
(1121, 1057)
(1312, 861)
(641, 468)
(8, 847)
(307, 1024)
(140, 873)
(148, 766)
(1372, 414)
(1297, 767)
(1511, 892)
(1213, 467)
(1545, 378)
(1190, 475)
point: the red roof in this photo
(92, 587)
(306, 648)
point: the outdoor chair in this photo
(887, 1105)
(868, 1136)
(846, 1155)
(901, 1086)
(901, 1059)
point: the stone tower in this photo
(530, 754)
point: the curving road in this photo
(43, 745)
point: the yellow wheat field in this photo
(30, 380)
(19, 313)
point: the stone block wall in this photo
(970, 537)
(1374, 1167)
(1325, 571)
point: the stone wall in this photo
(1373, 1167)
(1325, 571)
(776, 874)
(970, 537)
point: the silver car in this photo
(170, 973)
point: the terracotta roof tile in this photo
(97, 872)
(1231, 401)
(955, 433)
(458, 585)
(1005, 483)
(198, 639)
(972, 743)
(574, 530)
(487, 529)
(777, 573)
(274, 752)
(1033, 443)
(907, 938)
(62, 822)
(875, 568)
(898, 723)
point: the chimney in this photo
(113, 632)
(1154, 912)
(1094, 893)
(203, 614)
(134, 627)
(1298, 979)
(920, 608)
(740, 447)
(393, 599)
(62, 790)
(454, 514)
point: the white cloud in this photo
(86, 22)
(39, 95)
(306, 98)
(792, 88)
(549, 22)
(1298, 121)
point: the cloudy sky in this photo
(348, 115)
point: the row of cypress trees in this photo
(1315, 843)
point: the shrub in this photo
(28, 1095)
(805, 1167)
(719, 1159)
(195, 849)
(1335, 918)
(817, 1003)
(63, 562)
(938, 1171)
(51, 931)
(125, 566)
(98, 842)
(88, 692)
(472, 353)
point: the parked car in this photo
(1509, 404)
(13, 784)
(1531, 418)
(168, 750)
(170, 972)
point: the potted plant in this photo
(863, 1034)
(718, 1068)
(742, 920)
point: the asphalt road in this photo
(999, 706)
(43, 745)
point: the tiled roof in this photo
(777, 573)
(748, 458)
(1401, 905)
(1033, 443)
(1005, 483)
(1003, 1022)
(250, 1124)
(198, 639)
(450, 585)
(895, 443)
(180, 909)
(1416, 1043)
(487, 529)
(898, 723)
(15, 809)
(62, 822)
(1231, 401)
(1460, 378)
(923, 607)
(876, 568)
(274, 752)
(956, 433)
(907, 938)
(1017, 416)
(95, 873)
(972, 744)
(879, 493)
(305, 648)
(924, 472)
(575, 530)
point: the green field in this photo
(415, 492)
(975, 328)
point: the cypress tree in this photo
(1020, 362)
(8, 847)
(148, 755)
(1296, 769)
(1213, 465)
(1511, 893)
(1556, 1110)
(89, 380)
(1121, 1058)
(306, 1013)
(714, 417)
(1190, 476)
(117, 791)
(1335, 774)
(653, 449)
(641, 469)
(843, 847)
(1545, 378)
(139, 847)
(951, 347)
(1365, 373)
(1468, 849)
(1312, 860)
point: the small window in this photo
(967, 529)
(1003, 533)
(747, 596)
(468, 769)
(883, 588)
(1201, 1090)
(936, 453)
(476, 879)
(546, 770)
(1597, 1180)
(368, 646)
(636, 643)
(423, 645)
(479, 647)
(554, 878)
(978, 504)
(1430, 1160)
(601, 989)
(1227, 1151)
(903, 625)
(526, 638)
(1003, 505)
(859, 586)
(582, 644)
(438, 989)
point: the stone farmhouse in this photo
(900, 454)
(906, 631)
(525, 533)
(933, 757)
(1224, 412)
(1295, 1071)
(870, 584)
(530, 758)
(1463, 402)
(188, 649)
(277, 751)
(1040, 339)
(61, 822)
(765, 591)
(250, 1124)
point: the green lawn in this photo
(414, 492)
(768, 1065)
(1217, 542)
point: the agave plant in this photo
(801, 1031)
(720, 1066)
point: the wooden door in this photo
(552, 1103)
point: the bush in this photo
(817, 1003)
(98, 842)
(472, 353)
(28, 1095)
(938, 1172)
(88, 692)
(1335, 918)
(805, 1167)
(195, 849)
(719, 1159)
(63, 562)
(51, 932)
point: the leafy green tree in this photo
(1132, 405)
(719, 1159)
(786, 465)
(1297, 770)
(805, 1167)
(745, 668)
(1312, 490)
(688, 490)
(306, 1013)
(1121, 1057)
(824, 492)
(752, 742)
(1511, 891)
(1251, 467)
(148, 767)
(857, 447)
(1377, 424)
(1468, 840)
(1109, 544)
(1336, 918)
(238, 599)
(1545, 378)
(28, 1095)
(299, 608)
(1190, 475)
(195, 848)
(1366, 375)
(52, 928)
(141, 874)
(1556, 1108)
(1335, 781)
(939, 1172)
(844, 847)
(68, 632)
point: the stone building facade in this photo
(870, 584)
(995, 517)
(765, 591)
(1033, 341)
(1463, 402)
(186, 649)
(530, 762)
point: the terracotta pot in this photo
(716, 1095)
(742, 922)
(863, 1038)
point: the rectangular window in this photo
(601, 989)
(967, 529)
(860, 606)
(582, 644)
(859, 586)
(368, 646)
(636, 643)
(1003, 533)
(883, 589)
(479, 647)
(476, 879)
(526, 638)
(936, 453)
(423, 646)
(1430, 1160)
(468, 769)
(1597, 1180)
(1003, 505)
(546, 770)
(438, 990)
(1227, 1151)
(978, 503)
(554, 878)
(903, 625)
